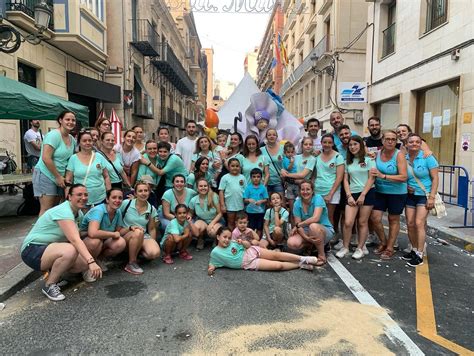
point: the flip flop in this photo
(387, 254)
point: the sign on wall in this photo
(352, 92)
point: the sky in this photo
(231, 35)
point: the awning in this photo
(23, 102)
(93, 88)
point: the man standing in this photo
(344, 136)
(374, 141)
(33, 139)
(336, 120)
(187, 145)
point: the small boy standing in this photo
(256, 197)
(289, 164)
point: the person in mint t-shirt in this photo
(256, 198)
(54, 244)
(58, 146)
(231, 192)
(242, 255)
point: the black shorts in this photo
(256, 221)
(394, 203)
(32, 254)
(369, 197)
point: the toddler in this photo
(242, 232)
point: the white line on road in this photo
(392, 330)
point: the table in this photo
(15, 179)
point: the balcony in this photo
(22, 14)
(319, 50)
(173, 70)
(300, 41)
(325, 7)
(299, 6)
(170, 117)
(292, 20)
(179, 120)
(312, 24)
(144, 106)
(388, 40)
(144, 38)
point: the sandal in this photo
(380, 249)
(321, 262)
(168, 260)
(387, 254)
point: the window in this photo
(95, 6)
(389, 113)
(320, 92)
(313, 95)
(389, 33)
(438, 102)
(327, 88)
(436, 13)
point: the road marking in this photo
(425, 316)
(392, 330)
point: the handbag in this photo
(115, 169)
(439, 209)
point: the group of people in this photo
(252, 200)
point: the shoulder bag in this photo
(439, 209)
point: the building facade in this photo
(154, 60)
(421, 72)
(70, 62)
(251, 64)
(321, 34)
(270, 74)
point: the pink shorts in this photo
(251, 257)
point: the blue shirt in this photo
(316, 202)
(256, 193)
(390, 167)
(99, 213)
(421, 167)
(286, 164)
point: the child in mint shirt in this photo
(256, 197)
(242, 255)
(231, 192)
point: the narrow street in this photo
(179, 309)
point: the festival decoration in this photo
(211, 124)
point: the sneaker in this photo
(409, 248)
(184, 255)
(306, 266)
(53, 292)
(339, 245)
(415, 261)
(365, 250)
(354, 241)
(62, 283)
(102, 265)
(342, 252)
(200, 244)
(309, 260)
(408, 256)
(133, 268)
(372, 240)
(358, 254)
(86, 275)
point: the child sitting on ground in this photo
(256, 197)
(275, 225)
(242, 232)
(235, 255)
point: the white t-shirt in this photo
(185, 148)
(316, 144)
(32, 136)
(128, 158)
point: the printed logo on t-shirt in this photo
(305, 161)
(98, 166)
(241, 182)
(260, 164)
(147, 216)
(280, 157)
(362, 164)
(233, 250)
(332, 165)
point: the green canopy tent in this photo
(23, 102)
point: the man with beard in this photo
(345, 134)
(186, 146)
(312, 129)
(33, 139)
(374, 141)
(337, 120)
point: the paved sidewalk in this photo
(14, 274)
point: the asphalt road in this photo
(179, 309)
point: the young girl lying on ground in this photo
(242, 255)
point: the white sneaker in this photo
(409, 248)
(354, 241)
(358, 254)
(365, 251)
(102, 265)
(339, 245)
(87, 277)
(342, 252)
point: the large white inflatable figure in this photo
(267, 111)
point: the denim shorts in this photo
(329, 233)
(278, 188)
(42, 185)
(292, 191)
(415, 200)
(32, 254)
(394, 203)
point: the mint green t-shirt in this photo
(191, 180)
(202, 212)
(95, 182)
(173, 228)
(248, 165)
(270, 216)
(302, 162)
(233, 187)
(144, 170)
(275, 164)
(61, 153)
(118, 164)
(174, 166)
(169, 196)
(133, 218)
(359, 173)
(211, 156)
(231, 257)
(326, 174)
(46, 229)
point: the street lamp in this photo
(11, 38)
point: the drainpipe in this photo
(125, 57)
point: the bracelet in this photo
(349, 196)
(385, 178)
(91, 262)
(149, 164)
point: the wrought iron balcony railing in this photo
(28, 7)
(388, 40)
(144, 38)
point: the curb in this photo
(16, 279)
